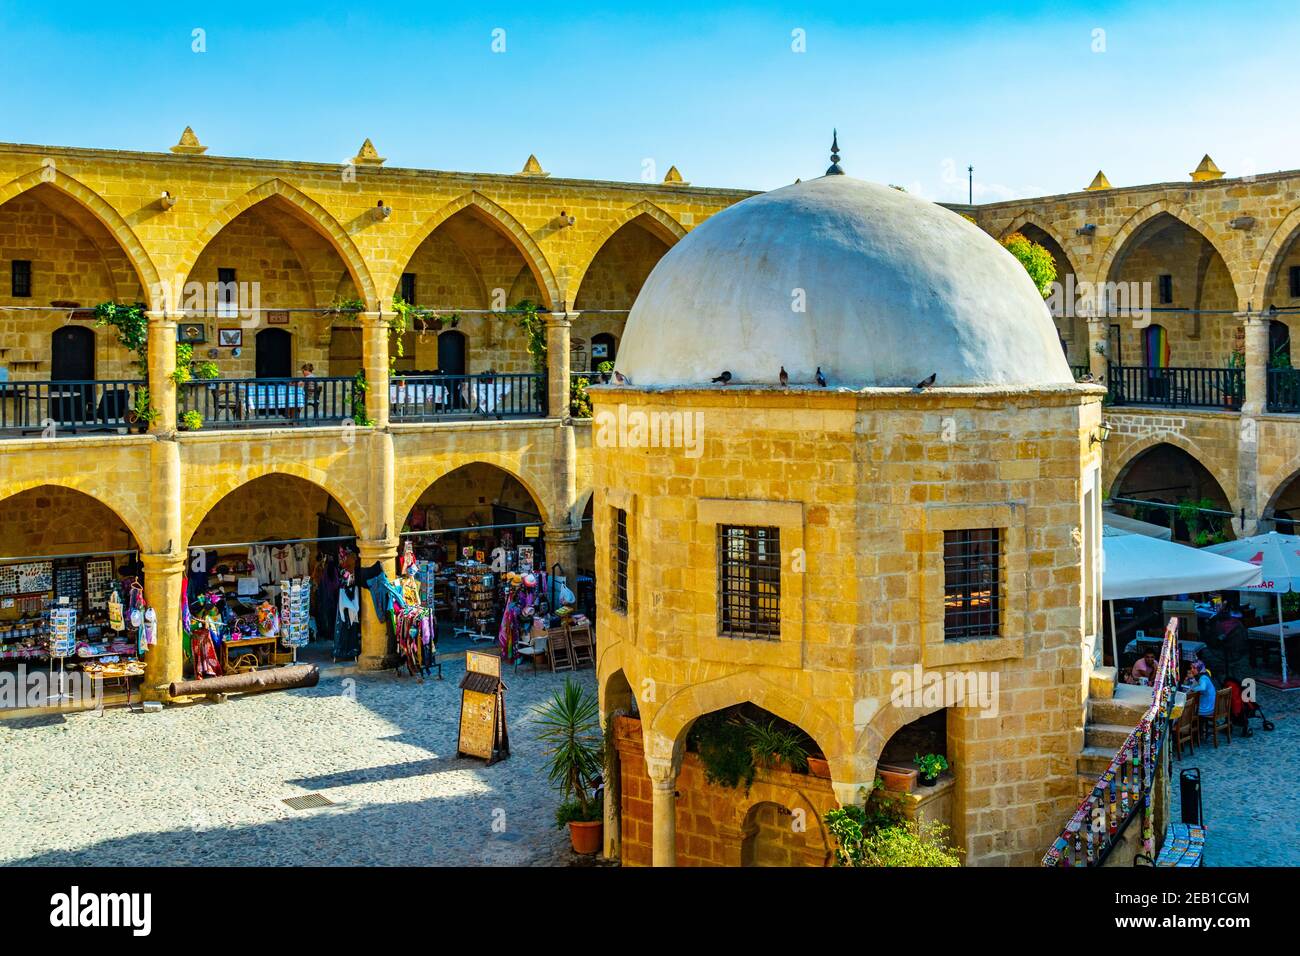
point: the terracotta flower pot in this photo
(819, 767)
(585, 837)
(897, 779)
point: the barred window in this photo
(620, 560)
(1294, 276)
(408, 288)
(749, 581)
(20, 275)
(227, 294)
(1166, 289)
(971, 589)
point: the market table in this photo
(120, 673)
(253, 645)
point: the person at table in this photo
(1145, 667)
(1198, 679)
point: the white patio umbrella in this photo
(1137, 566)
(1133, 526)
(1278, 558)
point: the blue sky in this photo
(917, 91)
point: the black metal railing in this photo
(1284, 390)
(261, 402)
(1178, 387)
(52, 409)
(435, 398)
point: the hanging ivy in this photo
(534, 325)
(131, 322)
(359, 416)
(407, 317)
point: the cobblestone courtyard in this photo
(204, 784)
(1248, 789)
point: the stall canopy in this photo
(1133, 526)
(1136, 566)
(1277, 557)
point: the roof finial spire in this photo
(835, 169)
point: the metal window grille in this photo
(749, 581)
(21, 279)
(227, 292)
(1295, 282)
(408, 288)
(620, 560)
(972, 599)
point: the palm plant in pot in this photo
(570, 723)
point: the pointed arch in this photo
(1133, 229)
(214, 493)
(309, 211)
(658, 222)
(499, 218)
(1271, 259)
(107, 216)
(92, 485)
(411, 485)
(1027, 217)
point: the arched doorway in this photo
(61, 547)
(467, 530)
(604, 348)
(274, 529)
(72, 354)
(1165, 485)
(1279, 344)
(274, 357)
(451, 353)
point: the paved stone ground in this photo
(203, 784)
(1248, 789)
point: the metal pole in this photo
(970, 185)
(1281, 637)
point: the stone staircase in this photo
(1113, 711)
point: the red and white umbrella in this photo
(1278, 558)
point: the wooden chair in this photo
(584, 647)
(1188, 726)
(559, 649)
(1221, 719)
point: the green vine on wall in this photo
(407, 317)
(533, 324)
(359, 416)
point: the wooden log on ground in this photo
(273, 678)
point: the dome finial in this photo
(835, 169)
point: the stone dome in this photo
(894, 288)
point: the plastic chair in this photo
(531, 648)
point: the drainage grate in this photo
(310, 802)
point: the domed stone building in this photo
(907, 553)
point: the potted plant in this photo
(606, 370)
(1234, 389)
(571, 734)
(896, 779)
(930, 766)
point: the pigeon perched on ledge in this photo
(821, 379)
(724, 378)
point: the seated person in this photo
(1199, 680)
(1145, 667)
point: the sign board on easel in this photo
(483, 709)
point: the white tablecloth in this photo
(272, 396)
(488, 395)
(417, 393)
(1289, 629)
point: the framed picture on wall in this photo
(191, 333)
(230, 338)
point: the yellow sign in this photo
(532, 531)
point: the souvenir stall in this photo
(79, 612)
(540, 618)
(257, 604)
(411, 622)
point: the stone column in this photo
(164, 662)
(1098, 363)
(663, 784)
(376, 652)
(374, 359)
(562, 546)
(161, 365)
(1256, 364)
(558, 327)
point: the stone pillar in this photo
(1098, 362)
(161, 365)
(663, 784)
(558, 327)
(1255, 404)
(1256, 364)
(613, 833)
(562, 546)
(376, 652)
(164, 662)
(374, 359)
